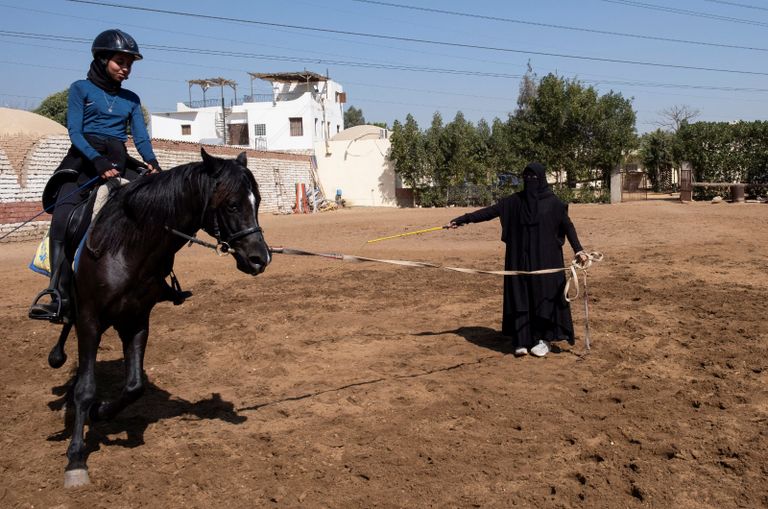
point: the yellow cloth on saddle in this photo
(41, 263)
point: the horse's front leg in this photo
(88, 338)
(134, 338)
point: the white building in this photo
(356, 164)
(303, 108)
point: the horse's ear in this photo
(207, 159)
(242, 159)
(210, 163)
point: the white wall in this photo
(361, 169)
(167, 126)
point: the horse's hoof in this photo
(56, 359)
(76, 477)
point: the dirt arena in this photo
(330, 384)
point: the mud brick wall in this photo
(26, 164)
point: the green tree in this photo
(353, 117)
(463, 163)
(614, 133)
(434, 145)
(407, 152)
(570, 127)
(656, 154)
(55, 107)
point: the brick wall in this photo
(21, 189)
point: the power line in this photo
(425, 41)
(562, 27)
(736, 4)
(686, 12)
(369, 65)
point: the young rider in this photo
(99, 111)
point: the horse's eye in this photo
(232, 207)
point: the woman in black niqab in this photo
(534, 225)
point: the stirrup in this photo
(38, 311)
(179, 295)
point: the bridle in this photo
(222, 247)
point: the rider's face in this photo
(119, 66)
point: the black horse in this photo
(120, 274)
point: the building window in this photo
(297, 127)
(259, 129)
(186, 129)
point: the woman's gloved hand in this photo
(105, 168)
(456, 222)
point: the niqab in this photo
(534, 190)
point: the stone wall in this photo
(26, 165)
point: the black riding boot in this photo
(57, 310)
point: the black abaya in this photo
(534, 306)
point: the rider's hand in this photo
(452, 225)
(154, 166)
(105, 168)
(582, 257)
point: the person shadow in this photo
(484, 337)
(128, 427)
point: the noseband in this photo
(224, 247)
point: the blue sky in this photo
(481, 82)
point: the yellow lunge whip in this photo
(408, 233)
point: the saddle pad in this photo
(41, 263)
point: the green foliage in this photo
(408, 152)
(569, 127)
(657, 156)
(353, 117)
(383, 125)
(572, 129)
(55, 107)
(724, 152)
(583, 194)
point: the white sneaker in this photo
(541, 349)
(519, 352)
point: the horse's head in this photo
(233, 212)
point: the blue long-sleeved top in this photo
(90, 110)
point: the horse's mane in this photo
(139, 212)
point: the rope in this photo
(94, 179)
(592, 257)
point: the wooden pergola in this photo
(207, 83)
(287, 77)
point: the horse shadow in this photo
(155, 404)
(484, 337)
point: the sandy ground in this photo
(330, 384)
